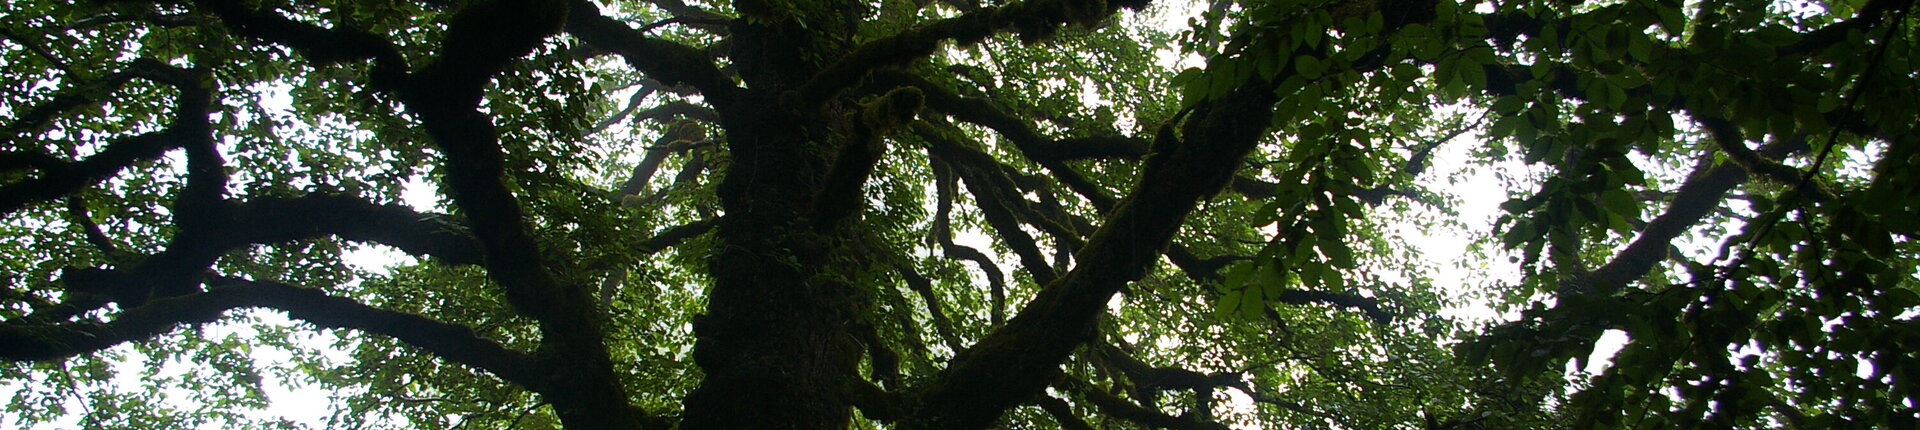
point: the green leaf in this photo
(1309, 66)
(1508, 105)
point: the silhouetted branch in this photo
(990, 189)
(1121, 408)
(1032, 20)
(945, 185)
(43, 341)
(320, 45)
(1062, 413)
(669, 62)
(57, 178)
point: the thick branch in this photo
(987, 185)
(1062, 413)
(1698, 196)
(277, 219)
(1731, 141)
(1118, 407)
(674, 235)
(944, 190)
(319, 45)
(188, 125)
(481, 40)
(669, 62)
(680, 109)
(1013, 362)
(1033, 20)
(34, 342)
(695, 17)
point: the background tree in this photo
(832, 214)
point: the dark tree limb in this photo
(58, 179)
(840, 195)
(1032, 20)
(1296, 407)
(876, 403)
(987, 185)
(1692, 202)
(1121, 408)
(25, 341)
(77, 214)
(695, 17)
(1015, 361)
(633, 103)
(281, 219)
(1050, 154)
(480, 41)
(678, 138)
(1062, 413)
(935, 310)
(1816, 40)
(945, 185)
(674, 235)
(1041, 149)
(680, 109)
(669, 62)
(1732, 142)
(320, 45)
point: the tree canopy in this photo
(934, 214)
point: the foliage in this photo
(916, 214)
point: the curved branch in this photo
(188, 126)
(281, 219)
(944, 189)
(21, 341)
(677, 139)
(1062, 413)
(1032, 20)
(480, 41)
(1031, 143)
(987, 186)
(669, 62)
(1152, 417)
(1698, 196)
(924, 288)
(1730, 140)
(318, 44)
(1013, 363)
(674, 235)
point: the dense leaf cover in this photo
(958, 214)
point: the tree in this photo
(1168, 248)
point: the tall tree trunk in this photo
(774, 343)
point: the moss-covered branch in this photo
(991, 192)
